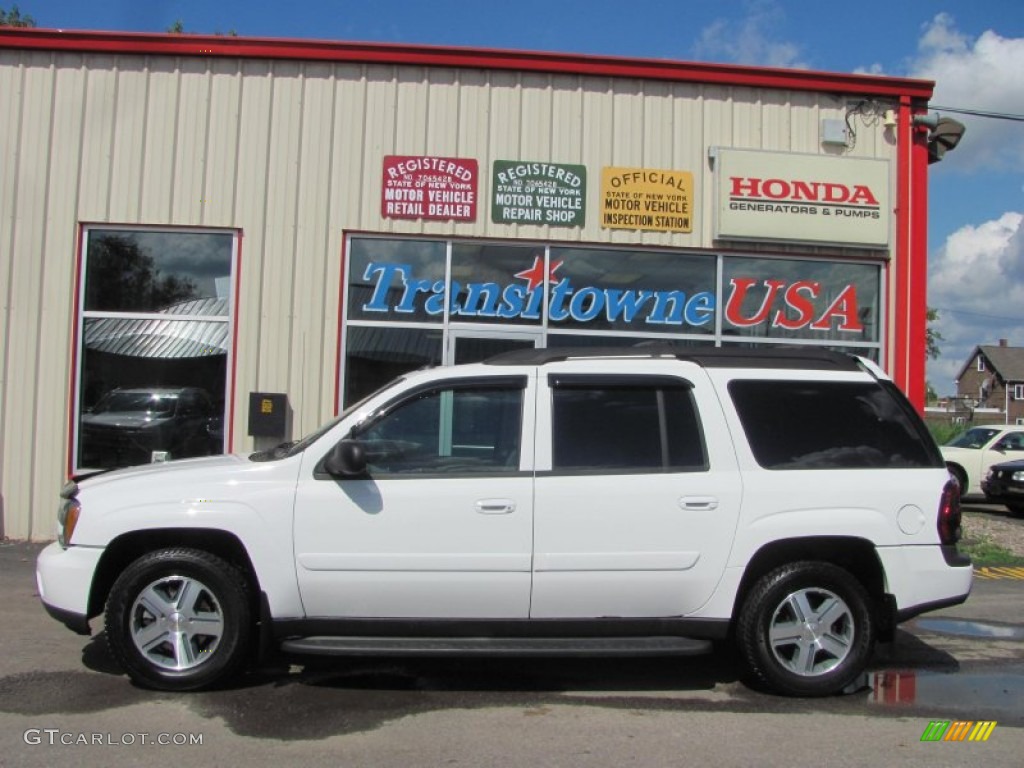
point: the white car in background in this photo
(971, 455)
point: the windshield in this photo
(138, 402)
(976, 437)
(284, 450)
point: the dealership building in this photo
(212, 244)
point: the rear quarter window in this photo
(831, 425)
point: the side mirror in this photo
(346, 459)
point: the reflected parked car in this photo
(1004, 484)
(144, 424)
(971, 455)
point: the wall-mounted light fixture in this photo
(944, 133)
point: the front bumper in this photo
(1002, 491)
(64, 579)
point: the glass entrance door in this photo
(476, 346)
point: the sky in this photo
(974, 51)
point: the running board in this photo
(497, 646)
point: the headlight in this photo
(68, 519)
(67, 515)
(1017, 477)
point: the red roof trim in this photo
(423, 55)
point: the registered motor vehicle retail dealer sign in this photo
(539, 193)
(801, 198)
(646, 198)
(440, 188)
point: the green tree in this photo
(125, 278)
(932, 351)
(178, 28)
(13, 18)
(932, 336)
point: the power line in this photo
(979, 314)
(980, 113)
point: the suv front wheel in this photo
(806, 629)
(179, 619)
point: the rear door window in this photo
(625, 424)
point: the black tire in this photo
(179, 620)
(1016, 510)
(824, 630)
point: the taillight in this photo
(949, 513)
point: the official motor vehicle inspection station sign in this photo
(646, 198)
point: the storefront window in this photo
(644, 291)
(800, 299)
(153, 346)
(396, 280)
(374, 355)
(413, 303)
(497, 284)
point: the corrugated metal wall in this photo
(290, 153)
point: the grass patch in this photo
(985, 552)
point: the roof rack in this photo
(708, 357)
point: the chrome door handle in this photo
(699, 503)
(495, 506)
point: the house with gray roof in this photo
(990, 385)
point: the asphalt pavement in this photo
(64, 702)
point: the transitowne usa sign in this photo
(802, 198)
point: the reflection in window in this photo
(153, 346)
(448, 431)
(639, 291)
(497, 283)
(138, 271)
(374, 355)
(397, 280)
(800, 299)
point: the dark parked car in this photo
(1004, 484)
(136, 426)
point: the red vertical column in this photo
(909, 273)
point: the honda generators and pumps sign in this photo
(801, 198)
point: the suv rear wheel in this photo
(806, 629)
(179, 619)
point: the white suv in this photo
(640, 501)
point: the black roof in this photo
(707, 357)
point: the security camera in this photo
(930, 122)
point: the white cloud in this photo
(977, 284)
(979, 74)
(749, 40)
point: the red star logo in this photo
(534, 276)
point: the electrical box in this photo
(833, 131)
(268, 414)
